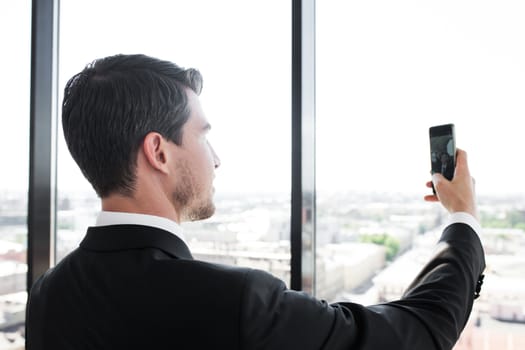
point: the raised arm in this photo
(430, 315)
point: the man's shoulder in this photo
(219, 271)
(154, 269)
(55, 272)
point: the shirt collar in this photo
(107, 218)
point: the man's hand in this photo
(459, 194)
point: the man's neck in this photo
(139, 205)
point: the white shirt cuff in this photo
(465, 218)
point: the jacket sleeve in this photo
(430, 315)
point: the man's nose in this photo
(216, 159)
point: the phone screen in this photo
(443, 150)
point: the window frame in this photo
(42, 140)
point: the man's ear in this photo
(155, 151)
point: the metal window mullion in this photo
(42, 147)
(303, 146)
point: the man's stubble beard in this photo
(189, 198)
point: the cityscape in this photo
(369, 246)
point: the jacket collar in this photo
(122, 237)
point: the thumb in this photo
(437, 178)
(461, 161)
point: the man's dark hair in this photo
(111, 105)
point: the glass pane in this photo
(243, 51)
(15, 63)
(386, 72)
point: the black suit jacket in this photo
(137, 287)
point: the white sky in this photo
(398, 67)
(386, 71)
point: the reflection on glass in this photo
(245, 63)
(386, 72)
(15, 26)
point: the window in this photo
(386, 72)
(245, 63)
(15, 26)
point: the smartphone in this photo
(443, 150)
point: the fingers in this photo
(431, 198)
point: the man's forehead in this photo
(197, 116)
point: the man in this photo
(136, 129)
